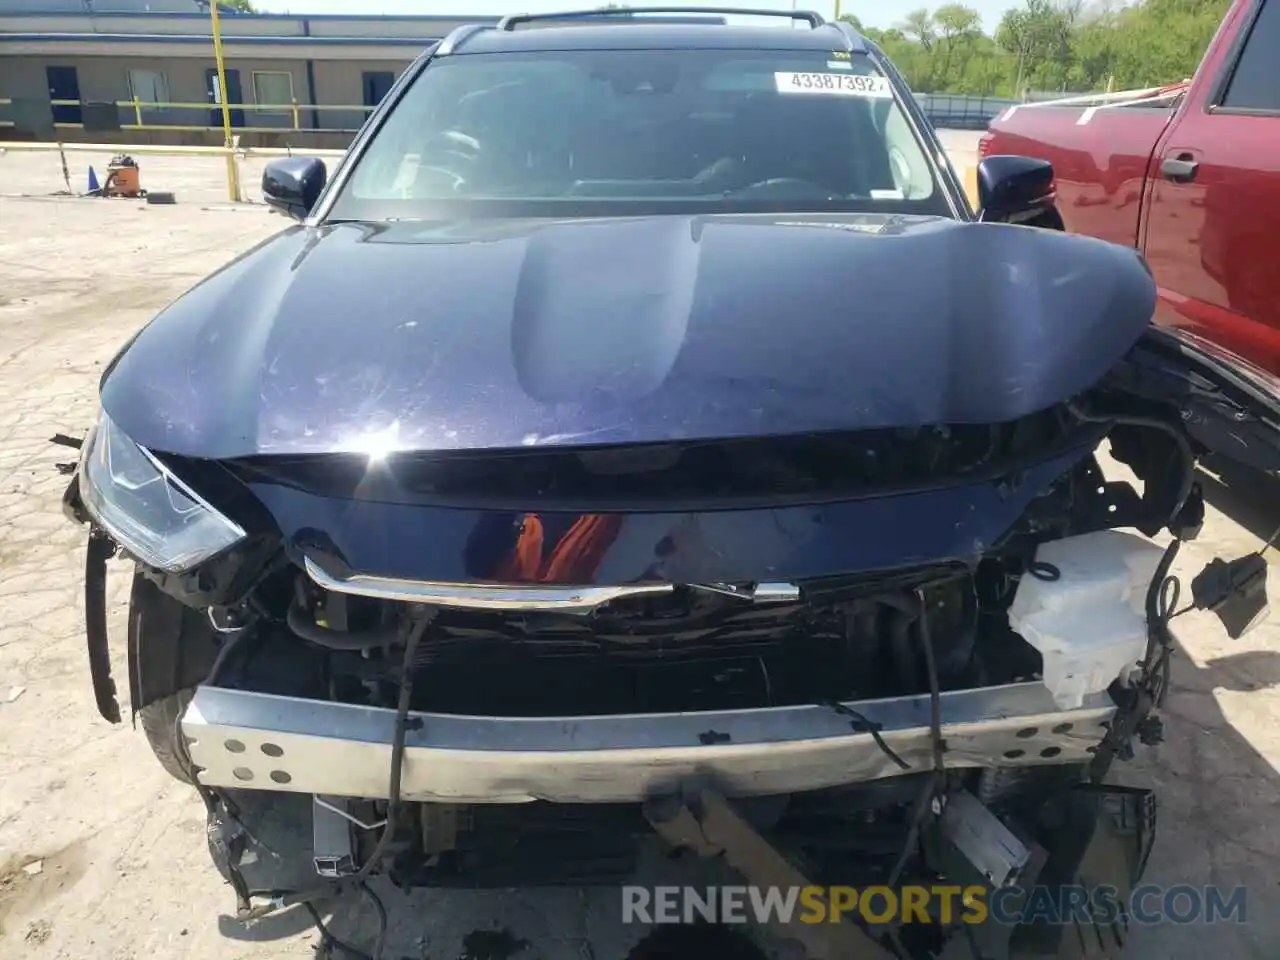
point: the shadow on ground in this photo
(1249, 497)
(1219, 787)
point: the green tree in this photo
(1039, 35)
(958, 29)
(1064, 45)
(920, 26)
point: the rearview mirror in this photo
(1014, 189)
(293, 184)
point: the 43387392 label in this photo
(834, 84)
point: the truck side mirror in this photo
(293, 184)
(1014, 189)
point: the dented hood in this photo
(549, 332)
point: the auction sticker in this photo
(834, 84)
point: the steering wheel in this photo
(450, 146)
(722, 176)
(455, 180)
(449, 154)
(783, 188)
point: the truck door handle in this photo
(1179, 169)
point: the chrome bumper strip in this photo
(481, 596)
(522, 596)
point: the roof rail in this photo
(509, 23)
(854, 41)
(458, 36)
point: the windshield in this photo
(619, 132)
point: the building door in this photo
(234, 95)
(377, 83)
(64, 84)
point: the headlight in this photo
(148, 511)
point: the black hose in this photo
(301, 623)
(397, 748)
(354, 953)
(861, 724)
(902, 652)
(328, 940)
(920, 809)
(223, 657)
(933, 784)
(380, 944)
(935, 689)
(1161, 595)
(1162, 598)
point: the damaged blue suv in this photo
(640, 424)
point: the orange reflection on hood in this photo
(574, 559)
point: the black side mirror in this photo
(1014, 189)
(293, 184)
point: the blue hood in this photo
(553, 333)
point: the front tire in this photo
(160, 724)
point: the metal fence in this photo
(958, 111)
(189, 117)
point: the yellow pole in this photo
(837, 9)
(233, 171)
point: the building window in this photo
(149, 86)
(273, 90)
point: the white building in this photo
(285, 73)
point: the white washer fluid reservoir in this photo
(1090, 624)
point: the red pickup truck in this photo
(1188, 174)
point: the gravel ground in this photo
(103, 856)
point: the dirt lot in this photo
(103, 856)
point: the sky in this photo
(885, 13)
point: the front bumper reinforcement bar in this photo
(262, 741)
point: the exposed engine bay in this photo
(535, 649)
(694, 649)
(1000, 686)
(307, 626)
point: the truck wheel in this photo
(160, 724)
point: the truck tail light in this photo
(984, 144)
